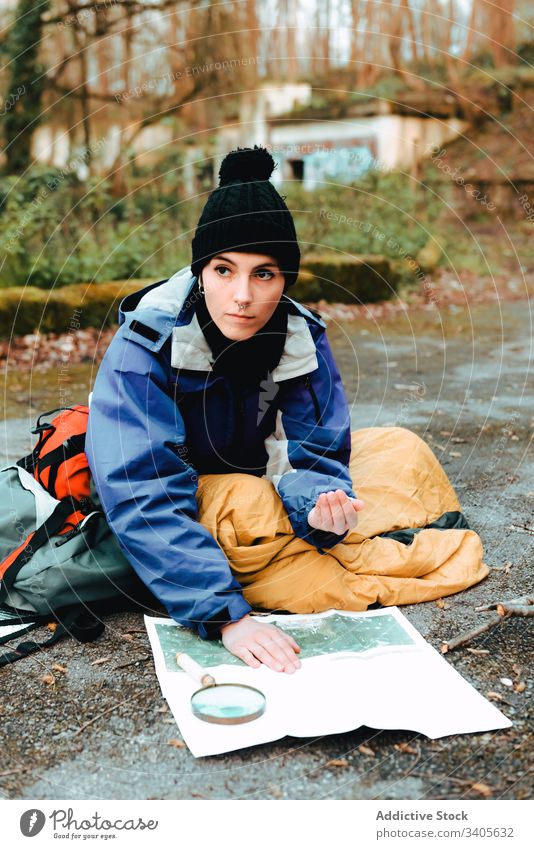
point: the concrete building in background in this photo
(314, 150)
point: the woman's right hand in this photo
(258, 642)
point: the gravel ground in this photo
(458, 377)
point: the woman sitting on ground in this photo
(218, 371)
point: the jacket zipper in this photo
(239, 416)
(318, 414)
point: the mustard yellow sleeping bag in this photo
(391, 557)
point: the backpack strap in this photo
(29, 461)
(12, 565)
(78, 621)
(72, 446)
(24, 649)
(23, 620)
(41, 429)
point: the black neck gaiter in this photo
(249, 361)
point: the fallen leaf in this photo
(275, 791)
(162, 709)
(178, 744)
(338, 762)
(454, 454)
(52, 626)
(520, 687)
(100, 660)
(57, 667)
(128, 637)
(506, 681)
(517, 669)
(482, 788)
(444, 433)
(406, 748)
(495, 697)
(366, 750)
(506, 568)
(458, 439)
(48, 679)
(478, 651)
(443, 605)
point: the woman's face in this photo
(253, 280)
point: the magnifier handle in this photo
(194, 669)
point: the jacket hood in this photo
(168, 295)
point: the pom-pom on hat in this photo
(246, 213)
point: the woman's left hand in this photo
(335, 512)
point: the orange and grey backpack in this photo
(59, 560)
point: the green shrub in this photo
(21, 310)
(429, 255)
(380, 214)
(27, 309)
(56, 230)
(354, 279)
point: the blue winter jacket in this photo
(159, 417)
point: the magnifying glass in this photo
(225, 704)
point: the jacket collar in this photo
(190, 350)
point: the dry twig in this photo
(131, 662)
(522, 529)
(521, 606)
(450, 645)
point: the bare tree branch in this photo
(522, 606)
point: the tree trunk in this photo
(411, 28)
(471, 30)
(81, 51)
(26, 84)
(291, 31)
(501, 30)
(355, 22)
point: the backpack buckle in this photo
(40, 428)
(77, 529)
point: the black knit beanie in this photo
(246, 213)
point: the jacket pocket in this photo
(316, 406)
